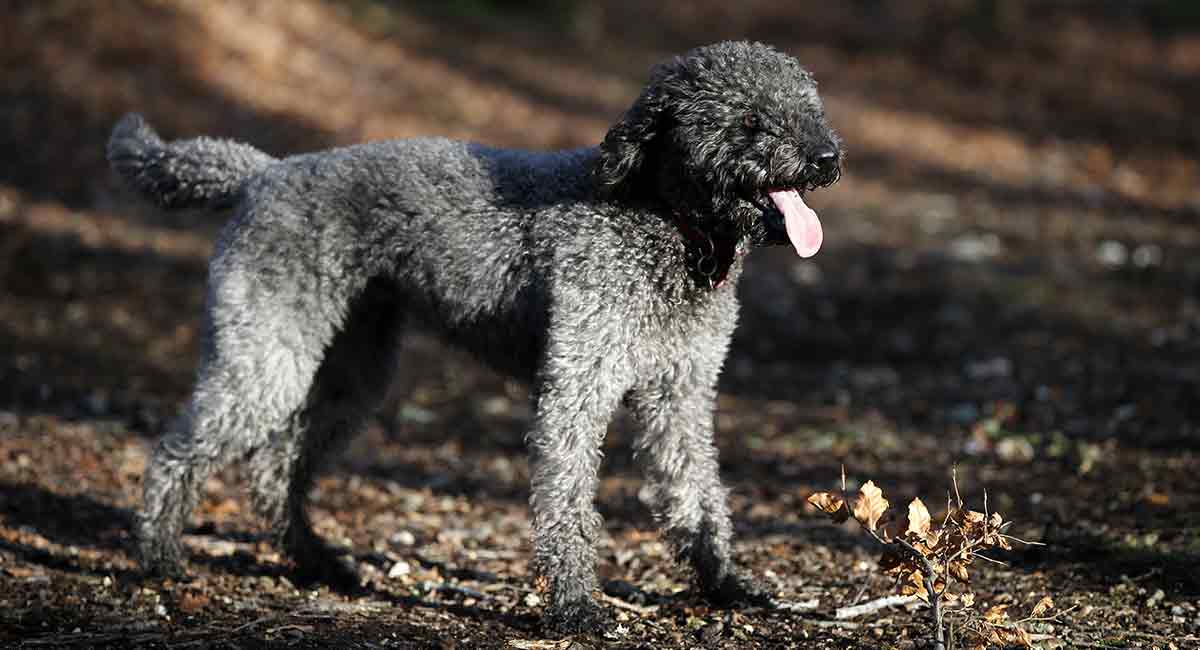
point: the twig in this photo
(490, 554)
(872, 606)
(797, 605)
(989, 559)
(1018, 539)
(289, 627)
(644, 610)
(71, 639)
(462, 591)
(256, 622)
(845, 625)
(539, 644)
(861, 590)
(1055, 617)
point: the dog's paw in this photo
(161, 559)
(583, 616)
(737, 591)
(163, 570)
(338, 572)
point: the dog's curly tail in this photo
(184, 173)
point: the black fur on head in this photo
(714, 131)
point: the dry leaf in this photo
(895, 560)
(919, 523)
(1046, 603)
(192, 602)
(830, 504)
(972, 517)
(996, 614)
(22, 571)
(914, 585)
(870, 505)
(958, 571)
(1010, 636)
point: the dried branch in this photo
(870, 607)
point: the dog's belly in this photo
(505, 331)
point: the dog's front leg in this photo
(575, 399)
(677, 450)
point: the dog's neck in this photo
(711, 253)
(713, 244)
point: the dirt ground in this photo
(1010, 285)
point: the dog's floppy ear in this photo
(627, 144)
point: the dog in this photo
(602, 276)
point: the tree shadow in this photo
(960, 46)
(74, 522)
(1076, 556)
(79, 321)
(50, 128)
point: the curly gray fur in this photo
(200, 171)
(566, 269)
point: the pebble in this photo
(1155, 599)
(972, 248)
(1112, 253)
(1147, 255)
(417, 415)
(399, 569)
(994, 368)
(404, 538)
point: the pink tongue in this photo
(803, 227)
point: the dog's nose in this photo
(824, 157)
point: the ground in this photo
(1009, 287)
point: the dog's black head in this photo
(731, 136)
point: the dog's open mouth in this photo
(800, 221)
(789, 213)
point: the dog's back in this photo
(464, 233)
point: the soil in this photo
(1010, 286)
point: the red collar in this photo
(710, 257)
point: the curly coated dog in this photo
(603, 276)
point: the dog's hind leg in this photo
(263, 344)
(676, 448)
(349, 385)
(248, 387)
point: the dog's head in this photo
(731, 136)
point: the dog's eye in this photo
(751, 121)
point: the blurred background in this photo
(1010, 280)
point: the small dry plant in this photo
(930, 560)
